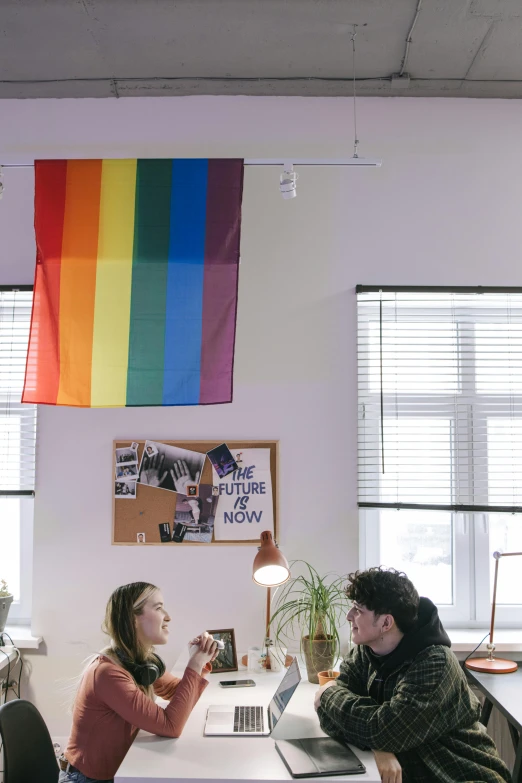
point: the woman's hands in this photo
(202, 649)
(389, 768)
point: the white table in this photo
(8, 657)
(195, 757)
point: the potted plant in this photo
(313, 607)
(6, 599)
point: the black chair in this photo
(28, 748)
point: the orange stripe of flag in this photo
(78, 280)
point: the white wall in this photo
(444, 209)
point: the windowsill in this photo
(466, 639)
(23, 638)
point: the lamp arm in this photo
(268, 602)
(497, 556)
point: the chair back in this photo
(27, 745)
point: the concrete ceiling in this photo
(107, 48)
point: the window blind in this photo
(440, 398)
(17, 421)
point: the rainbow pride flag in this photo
(135, 293)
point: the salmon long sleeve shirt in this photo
(110, 709)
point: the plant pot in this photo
(5, 603)
(319, 658)
(327, 676)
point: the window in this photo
(17, 451)
(440, 442)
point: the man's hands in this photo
(389, 768)
(152, 472)
(181, 476)
(319, 693)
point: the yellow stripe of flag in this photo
(113, 284)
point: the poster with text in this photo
(245, 506)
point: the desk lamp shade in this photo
(270, 565)
(490, 664)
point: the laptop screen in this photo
(284, 693)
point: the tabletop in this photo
(504, 690)
(193, 756)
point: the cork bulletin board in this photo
(153, 506)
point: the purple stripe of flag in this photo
(224, 193)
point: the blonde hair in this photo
(124, 605)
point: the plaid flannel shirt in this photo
(428, 717)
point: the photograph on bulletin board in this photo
(183, 496)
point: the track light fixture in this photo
(288, 181)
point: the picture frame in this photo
(227, 658)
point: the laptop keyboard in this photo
(248, 719)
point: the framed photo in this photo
(227, 658)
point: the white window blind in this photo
(17, 421)
(440, 398)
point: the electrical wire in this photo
(476, 648)
(355, 139)
(13, 666)
(4, 633)
(408, 39)
(20, 677)
(6, 687)
(257, 79)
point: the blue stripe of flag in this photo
(183, 326)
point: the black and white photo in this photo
(126, 455)
(197, 514)
(125, 488)
(140, 538)
(170, 467)
(150, 449)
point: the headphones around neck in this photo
(144, 673)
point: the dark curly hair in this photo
(385, 591)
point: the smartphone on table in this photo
(237, 683)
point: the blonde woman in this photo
(116, 694)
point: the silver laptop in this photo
(226, 720)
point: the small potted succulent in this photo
(6, 599)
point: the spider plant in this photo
(312, 607)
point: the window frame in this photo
(472, 560)
(20, 610)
